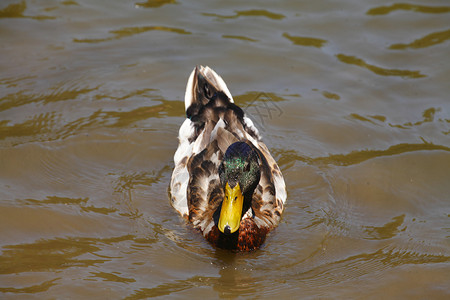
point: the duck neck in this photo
(248, 199)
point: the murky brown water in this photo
(352, 98)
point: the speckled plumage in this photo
(213, 123)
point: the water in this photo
(350, 96)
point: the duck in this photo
(225, 181)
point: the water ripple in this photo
(427, 41)
(16, 10)
(356, 157)
(387, 231)
(130, 31)
(353, 60)
(429, 115)
(61, 92)
(56, 200)
(239, 37)
(249, 13)
(112, 277)
(39, 124)
(38, 288)
(154, 3)
(54, 254)
(48, 127)
(127, 182)
(166, 289)
(14, 81)
(384, 10)
(305, 41)
(365, 263)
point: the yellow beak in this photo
(230, 215)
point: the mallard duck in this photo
(225, 182)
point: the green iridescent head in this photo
(239, 175)
(240, 165)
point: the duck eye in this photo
(247, 167)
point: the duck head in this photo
(239, 175)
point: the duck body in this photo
(225, 182)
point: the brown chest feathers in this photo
(248, 237)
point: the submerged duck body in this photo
(225, 182)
